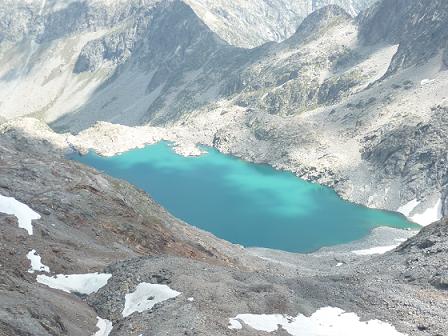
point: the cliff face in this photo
(419, 27)
(425, 255)
(241, 23)
(249, 24)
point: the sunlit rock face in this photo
(421, 36)
(150, 60)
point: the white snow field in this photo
(328, 321)
(104, 327)
(407, 208)
(36, 263)
(24, 214)
(428, 216)
(235, 324)
(375, 250)
(76, 283)
(145, 296)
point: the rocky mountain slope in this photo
(418, 27)
(331, 103)
(249, 24)
(355, 103)
(241, 23)
(87, 221)
(90, 223)
(173, 54)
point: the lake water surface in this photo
(244, 203)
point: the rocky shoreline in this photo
(338, 103)
(92, 223)
(112, 139)
(108, 140)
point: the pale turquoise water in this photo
(245, 203)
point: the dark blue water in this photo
(244, 203)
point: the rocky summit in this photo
(350, 94)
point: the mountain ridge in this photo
(293, 104)
(356, 103)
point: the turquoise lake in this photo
(244, 203)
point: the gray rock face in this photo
(22, 20)
(319, 20)
(157, 33)
(238, 22)
(418, 26)
(181, 65)
(251, 23)
(167, 46)
(115, 48)
(421, 159)
(286, 79)
(425, 255)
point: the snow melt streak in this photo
(327, 321)
(36, 264)
(104, 327)
(375, 250)
(23, 212)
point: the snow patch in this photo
(23, 212)
(375, 250)
(328, 321)
(42, 6)
(430, 215)
(145, 296)
(76, 283)
(263, 322)
(426, 81)
(36, 264)
(104, 327)
(234, 324)
(408, 207)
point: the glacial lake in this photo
(242, 202)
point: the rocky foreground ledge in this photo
(102, 258)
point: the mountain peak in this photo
(320, 19)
